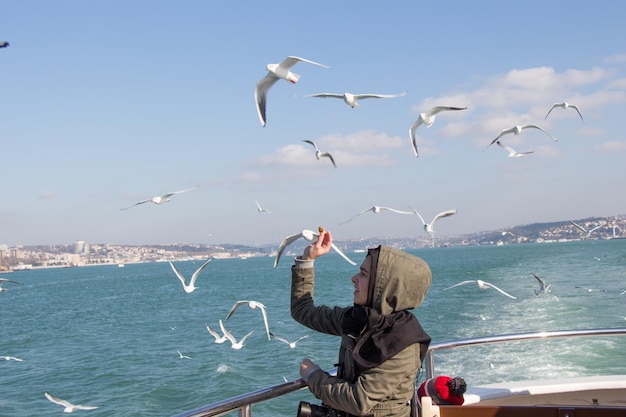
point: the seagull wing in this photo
(412, 130)
(538, 127)
(577, 111)
(85, 407)
(279, 338)
(502, 133)
(9, 280)
(326, 95)
(550, 111)
(198, 271)
(235, 307)
(178, 192)
(227, 334)
(418, 215)
(178, 274)
(579, 226)
(332, 245)
(329, 156)
(356, 215)
(286, 242)
(136, 204)
(243, 339)
(364, 96)
(396, 211)
(542, 285)
(498, 289)
(215, 334)
(260, 95)
(461, 283)
(438, 109)
(267, 326)
(58, 400)
(311, 142)
(290, 61)
(443, 214)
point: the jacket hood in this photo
(401, 281)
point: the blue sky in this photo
(104, 104)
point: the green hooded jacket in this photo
(401, 283)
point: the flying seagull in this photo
(253, 305)
(180, 355)
(161, 199)
(3, 280)
(512, 152)
(482, 285)
(587, 233)
(274, 73)
(376, 210)
(516, 130)
(352, 99)
(307, 235)
(427, 119)
(565, 105)
(319, 154)
(4, 44)
(261, 210)
(11, 358)
(543, 288)
(192, 283)
(428, 227)
(216, 335)
(234, 343)
(292, 345)
(69, 407)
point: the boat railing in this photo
(243, 403)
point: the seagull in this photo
(517, 130)
(180, 355)
(565, 105)
(4, 44)
(376, 210)
(308, 235)
(234, 344)
(543, 288)
(162, 199)
(192, 283)
(319, 154)
(428, 227)
(512, 152)
(69, 407)
(11, 358)
(585, 231)
(482, 285)
(352, 99)
(261, 210)
(3, 280)
(427, 119)
(253, 305)
(292, 345)
(216, 335)
(275, 72)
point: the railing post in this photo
(246, 411)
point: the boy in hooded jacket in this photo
(382, 342)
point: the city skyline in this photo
(99, 119)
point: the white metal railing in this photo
(243, 403)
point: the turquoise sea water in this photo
(109, 336)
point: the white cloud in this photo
(612, 146)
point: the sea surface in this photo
(109, 336)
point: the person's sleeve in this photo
(372, 387)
